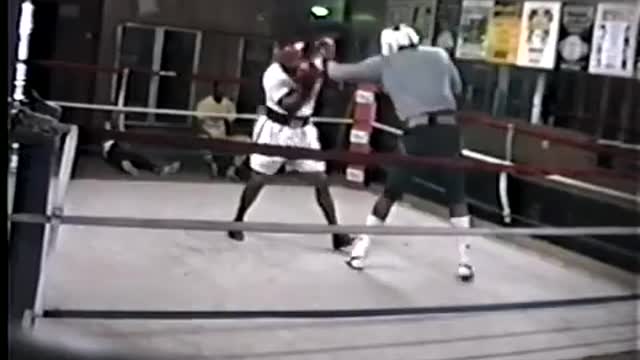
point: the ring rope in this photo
(466, 117)
(302, 228)
(334, 313)
(591, 145)
(210, 78)
(133, 109)
(607, 144)
(553, 177)
(600, 146)
(351, 157)
(493, 210)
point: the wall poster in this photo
(576, 32)
(472, 33)
(446, 29)
(614, 40)
(419, 14)
(539, 34)
(504, 32)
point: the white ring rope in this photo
(503, 181)
(509, 162)
(337, 120)
(387, 128)
(289, 228)
(142, 110)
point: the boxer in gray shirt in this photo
(423, 84)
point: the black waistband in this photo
(287, 120)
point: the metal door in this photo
(162, 60)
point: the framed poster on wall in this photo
(504, 32)
(419, 14)
(614, 40)
(576, 32)
(474, 24)
(539, 34)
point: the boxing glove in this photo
(307, 74)
(325, 48)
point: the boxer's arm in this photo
(368, 70)
(281, 90)
(294, 99)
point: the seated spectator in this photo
(217, 127)
(130, 160)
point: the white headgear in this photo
(394, 38)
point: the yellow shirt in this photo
(214, 126)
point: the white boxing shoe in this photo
(466, 272)
(359, 252)
(356, 263)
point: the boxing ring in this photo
(171, 279)
(194, 271)
(172, 282)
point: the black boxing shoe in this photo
(236, 235)
(341, 241)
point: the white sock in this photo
(373, 220)
(464, 242)
(363, 241)
(361, 246)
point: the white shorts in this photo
(269, 132)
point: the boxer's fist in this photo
(307, 74)
(326, 48)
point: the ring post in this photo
(31, 195)
(363, 118)
(27, 240)
(55, 209)
(503, 190)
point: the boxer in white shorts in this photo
(291, 86)
(299, 132)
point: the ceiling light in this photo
(320, 11)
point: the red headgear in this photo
(291, 54)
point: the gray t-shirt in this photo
(418, 81)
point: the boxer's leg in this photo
(313, 171)
(323, 195)
(460, 217)
(447, 142)
(262, 166)
(249, 195)
(326, 203)
(397, 180)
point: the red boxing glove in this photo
(307, 74)
(291, 55)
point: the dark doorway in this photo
(177, 56)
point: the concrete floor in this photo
(127, 269)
